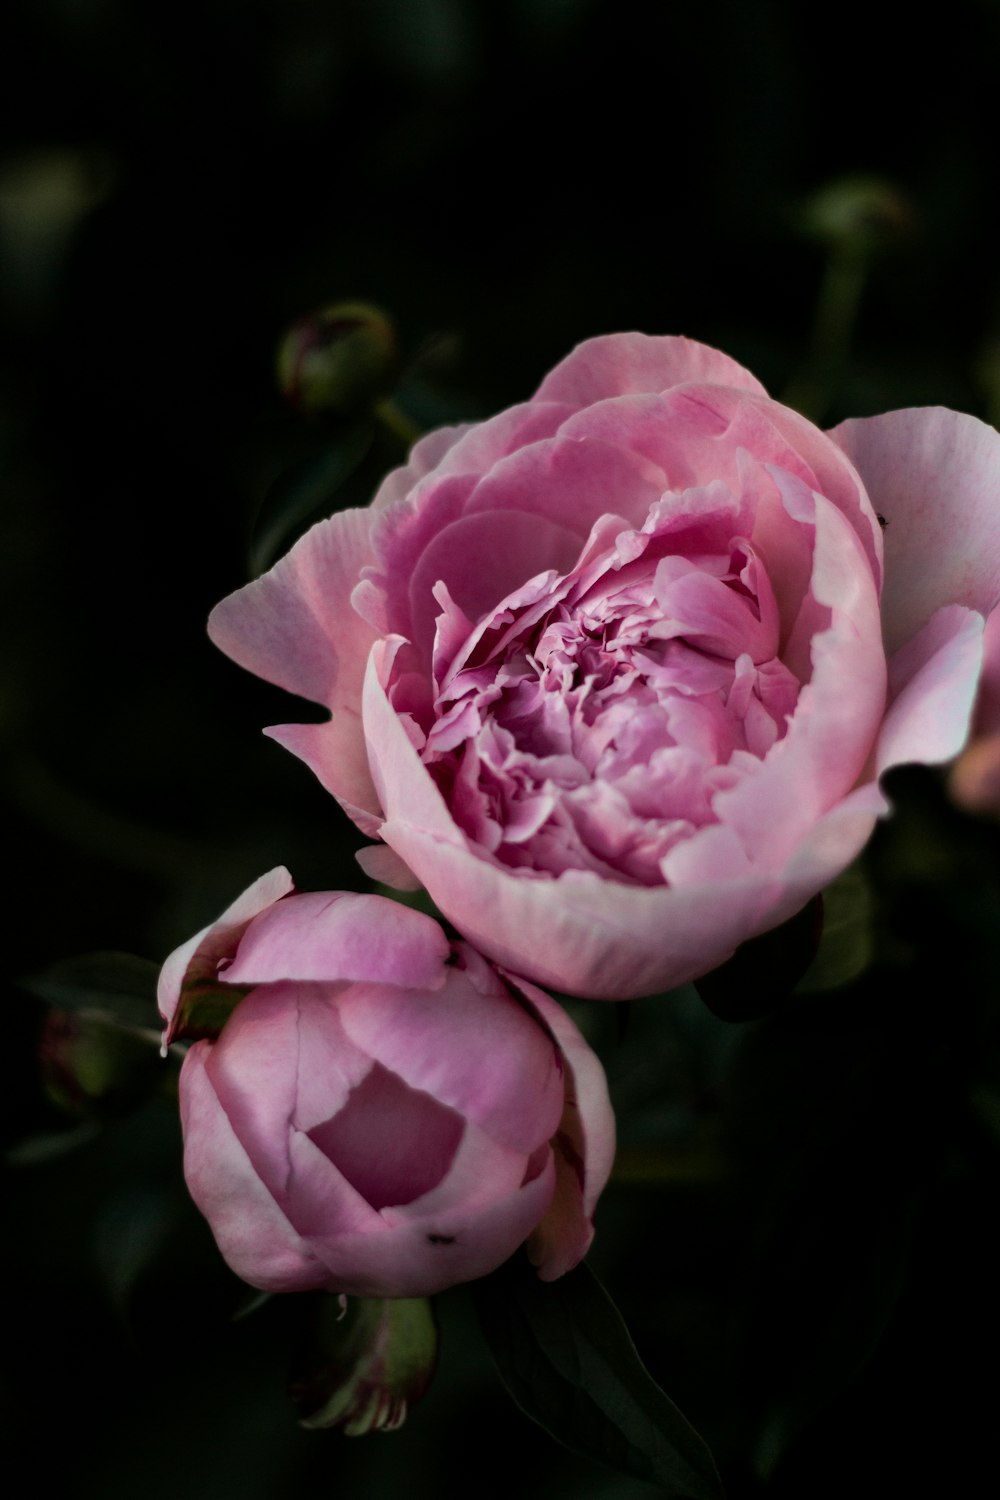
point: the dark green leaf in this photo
(846, 946)
(119, 984)
(566, 1357)
(306, 492)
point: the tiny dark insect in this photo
(440, 1239)
(881, 520)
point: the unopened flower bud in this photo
(94, 1065)
(365, 1363)
(340, 360)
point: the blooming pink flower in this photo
(614, 673)
(384, 1113)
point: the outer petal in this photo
(336, 936)
(933, 680)
(480, 1054)
(934, 475)
(987, 719)
(295, 627)
(584, 1147)
(618, 364)
(473, 447)
(252, 1232)
(200, 957)
(415, 1257)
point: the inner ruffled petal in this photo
(589, 720)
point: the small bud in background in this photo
(859, 211)
(339, 361)
(94, 1066)
(853, 219)
(363, 1365)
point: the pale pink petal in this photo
(481, 559)
(201, 956)
(933, 679)
(252, 1067)
(418, 1257)
(584, 1146)
(625, 363)
(828, 848)
(479, 1053)
(391, 753)
(252, 1232)
(836, 720)
(987, 717)
(295, 627)
(590, 937)
(336, 936)
(482, 445)
(336, 754)
(934, 475)
(571, 481)
(382, 864)
(426, 454)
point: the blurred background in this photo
(801, 1239)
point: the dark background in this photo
(179, 182)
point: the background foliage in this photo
(801, 1235)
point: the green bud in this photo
(864, 212)
(93, 1065)
(339, 361)
(366, 1360)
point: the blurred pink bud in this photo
(384, 1113)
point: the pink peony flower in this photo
(384, 1113)
(614, 673)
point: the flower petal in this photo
(934, 475)
(584, 1146)
(933, 680)
(336, 936)
(201, 956)
(251, 1231)
(295, 627)
(623, 363)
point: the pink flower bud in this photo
(384, 1113)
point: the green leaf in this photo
(566, 1357)
(846, 947)
(117, 984)
(306, 492)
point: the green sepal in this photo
(364, 1362)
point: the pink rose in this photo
(614, 674)
(384, 1113)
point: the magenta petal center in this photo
(589, 720)
(391, 1142)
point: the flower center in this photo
(591, 724)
